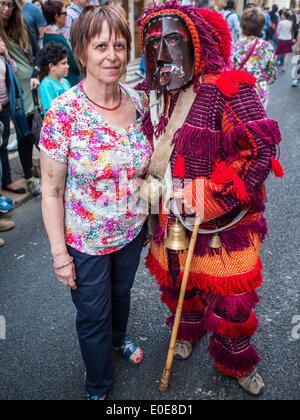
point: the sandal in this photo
(127, 349)
(252, 383)
(183, 350)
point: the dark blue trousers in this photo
(102, 300)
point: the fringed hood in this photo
(210, 33)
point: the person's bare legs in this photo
(286, 62)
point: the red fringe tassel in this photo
(277, 168)
(241, 362)
(219, 285)
(188, 331)
(180, 168)
(223, 174)
(231, 372)
(163, 277)
(189, 306)
(226, 328)
(231, 285)
(229, 82)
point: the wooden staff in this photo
(168, 366)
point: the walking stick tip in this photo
(164, 384)
(163, 388)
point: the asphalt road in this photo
(40, 357)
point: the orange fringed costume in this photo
(229, 143)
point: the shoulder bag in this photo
(17, 103)
(37, 119)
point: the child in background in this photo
(54, 63)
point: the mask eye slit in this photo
(154, 41)
(173, 39)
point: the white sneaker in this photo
(34, 186)
(12, 146)
(295, 83)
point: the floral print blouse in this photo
(261, 63)
(105, 166)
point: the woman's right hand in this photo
(34, 83)
(66, 275)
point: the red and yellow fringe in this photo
(219, 285)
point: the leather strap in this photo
(249, 55)
(163, 152)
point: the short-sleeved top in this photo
(261, 63)
(233, 22)
(103, 212)
(34, 18)
(24, 73)
(51, 89)
(284, 30)
(73, 13)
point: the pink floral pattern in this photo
(105, 167)
(261, 63)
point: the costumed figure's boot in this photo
(183, 350)
(252, 383)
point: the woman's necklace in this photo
(108, 109)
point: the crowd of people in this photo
(37, 64)
(99, 126)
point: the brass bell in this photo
(215, 241)
(177, 239)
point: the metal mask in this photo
(169, 53)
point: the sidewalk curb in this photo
(18, 199)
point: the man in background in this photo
(34, 18)
(232, 19)
(73, 13)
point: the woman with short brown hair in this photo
(84, 30)
(93, 157)
(253, 21)
(253, 54)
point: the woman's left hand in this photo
(34, 83)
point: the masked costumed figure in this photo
(229, 144)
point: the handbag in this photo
(154, 187)
(17, 107)
(37, 119)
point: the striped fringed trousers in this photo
(230, 319)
